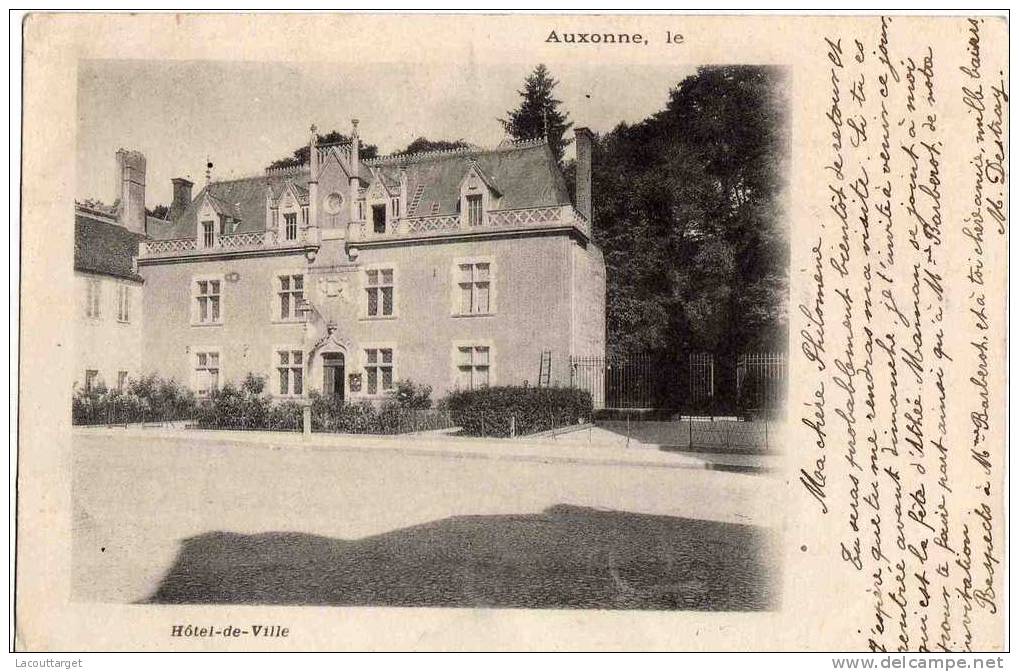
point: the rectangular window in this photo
(93, 298)
(290, 292)
(208, 233)
(304, 214)
(472, 365)
(290, 226)
(207, 298)
(275, 218)
(379, 285)
(206, 372)
(379, 218)
(394, 208)
(378, 370)
(360, 211)
(123, 303)
(474, 211)
(290, 372)
(91, 379)
(475, 288)
(121, 380)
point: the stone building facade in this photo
(452, 269)
(108, 288)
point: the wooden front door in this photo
(333, 374)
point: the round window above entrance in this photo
(334, 202)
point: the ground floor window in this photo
(378, 370)
(290, 372)
(121, 380)
(206, 372)
(473, 365)
(91, 379)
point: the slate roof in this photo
(525, 174)
(104, 247)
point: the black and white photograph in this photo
(363, 331)
(521, 344)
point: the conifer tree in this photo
(538, 115)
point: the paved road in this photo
(168, 520)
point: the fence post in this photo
(513, 426)
(306, 419)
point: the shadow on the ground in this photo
(564, 557)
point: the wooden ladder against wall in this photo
(545, 370)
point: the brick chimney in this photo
(181, 197)
(131, 176)
(584, 139)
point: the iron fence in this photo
(697, 383)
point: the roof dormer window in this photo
(208, 233)
(475, 210)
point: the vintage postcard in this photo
(513, 332)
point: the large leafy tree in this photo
(539, 114)
(301, 155)
(688, 211)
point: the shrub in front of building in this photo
(244, 406)
(146, 399)
(410, 395)
(509, 410)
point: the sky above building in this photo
(243, 115)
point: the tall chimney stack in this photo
(181, 197)
(131, 171)
(584, 139)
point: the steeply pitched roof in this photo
(104, 247)
(244, 197)
(524, 173)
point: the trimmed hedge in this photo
(490, 411)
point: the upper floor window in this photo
(290, 295)
(91, 380)
(360, 211)
(121, 380)
(304, 214)
(275, 218)
(475, 212)
(378, 369)
(93, 298)
(379, 218)
(123, 303)
(394, 208)
(474, 284)
(290, 226)
(207, 299)
(379, 285)
(290, 372)
(208, 233)
(206, 372)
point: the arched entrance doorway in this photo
(333, 374)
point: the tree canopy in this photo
(538, 115)
(688, 212)
(423, 144)
(300, 155)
